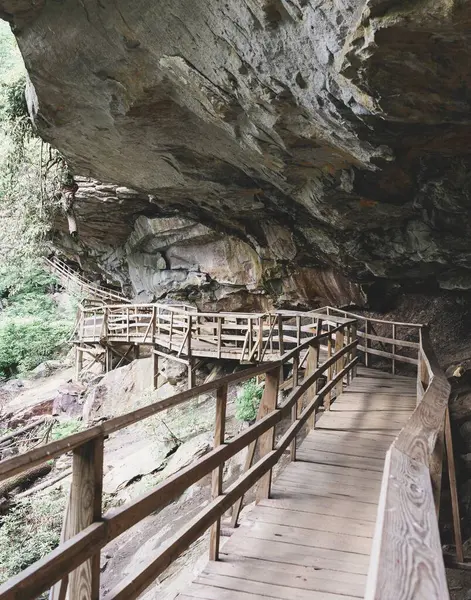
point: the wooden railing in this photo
(79, 285)
(399, 342)
(407, 560)
(75, 563)
(246, 337)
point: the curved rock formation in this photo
(317, 134)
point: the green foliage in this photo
(31, 327)
(248, 400)
(31, 172)
(29, 531)
(62, 429)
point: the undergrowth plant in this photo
(29, 531)
(248, 400)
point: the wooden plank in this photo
(289, 575)
(316, 558)
(342, 460)
(237, 585)
(304, 537)
(310, 469)
(320, 505)
(293, 518)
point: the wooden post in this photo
(136, 351)
(339, 340)
(85, 509)
(330, 370)
(298, 330)
(367, 329)
(455, 508)
(394, 348)
(250, 324)
(267, 440)
(155, 370)
(78, 362)
(294, 410)
(436, 467)
(260, 335)
(191, 378)
(311, 366)
(353, 337)
(219, 335)
(216, 485)
(280, 335)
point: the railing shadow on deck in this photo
(74, 567)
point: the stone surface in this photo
(320, 134)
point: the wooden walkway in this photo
(312, 539)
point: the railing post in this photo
(339, 342)
(298, 330)
(367, 330)
(311, 366)
(84, 509)
(217, 475)
(328, 396)
(280, 335)
(219, 335)
(155, 369)
(191, 378)
(294, 410)
(353, 354)
(393, 348)
(267, 440)
(260, 335)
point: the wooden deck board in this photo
(312, 539)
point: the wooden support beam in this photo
(217, 475)
(311, 367)
(267, 440)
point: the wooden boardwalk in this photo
(312, 539)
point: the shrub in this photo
(31, 329)
(248, 400)
(62, 429)
(29, 531)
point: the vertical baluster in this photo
(298, 330)
(260, 337)
(217, 475)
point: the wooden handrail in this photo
(84, 546)
(406, 559)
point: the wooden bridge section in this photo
(353, 514)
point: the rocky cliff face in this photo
(296, 133)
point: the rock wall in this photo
(329, 135)
(154, 258)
